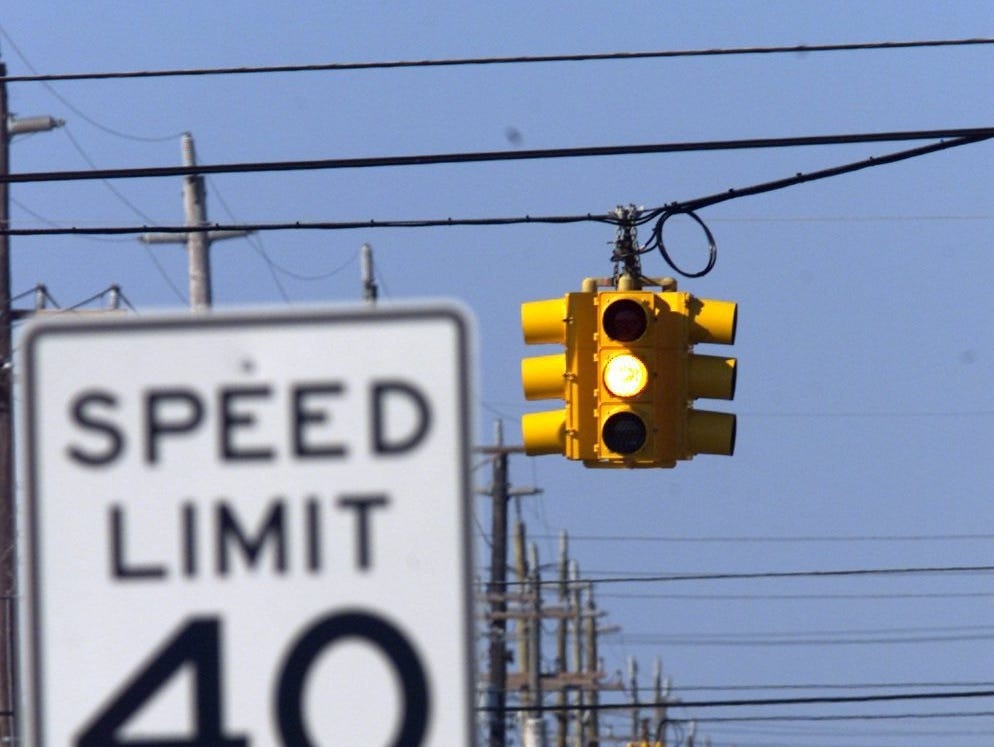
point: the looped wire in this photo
(657, 240)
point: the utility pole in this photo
(523, 621)
(562, 717)
(369, 290)
(661, 691)
(633, 680)
(9, 126)
(529, 629)
(8, 571)
(198, 240)
(533, 733)
(497, 590)
(578, 653)
(497, 596)
(593, 663)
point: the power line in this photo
(76, 110)
(773, 737)
(804, 538)
(514, 60)
(781, 643)
(869, 597)
(842, 734)
(756, 702)
(134, 208)
(989, 629)
(661, 213)
(846, 717)
(315, 225)
(958, 136)
(691, 206)
(851, 218)
(870, 415)
(769, 575)
(855, 635)
(827, 686)
(256, 243)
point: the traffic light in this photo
(628, 376)
(689, 321)
(711, 376)
(568, 321)
(628, 379)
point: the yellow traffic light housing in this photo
(627, 379)
(628, 375)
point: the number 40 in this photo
(198, 643)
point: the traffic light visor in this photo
(544, 432)
(544, 321)
(713, 321)
(711, 376)
(543, 376)
(711, 432)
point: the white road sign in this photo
(247, 530)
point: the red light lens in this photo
(625, 320)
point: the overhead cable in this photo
(665, 211)
(689, 207)
(662, 213)
(846, 717)
(961, 136)
(828, 686)
(76, 110)
(804, 538)
(770, 575)
(754, 702)
(796, 49)
(869, 596)
(731, 194)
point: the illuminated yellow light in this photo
(625, 376)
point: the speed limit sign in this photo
(244, 530)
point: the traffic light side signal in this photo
(710, 376)
(568, 321)
(686, 321)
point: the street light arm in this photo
(24, 125)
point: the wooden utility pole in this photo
(198, 240)
(578, 665)
(497, 595)
(562, 697)
(581, 696)
(8, 585)
(633, 681)
(497, 591)
(9, 126)
(369, 289)
(523, 621)
(661, 691)
(534, 726)
(593, 662)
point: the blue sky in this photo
(866, 412)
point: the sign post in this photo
(246, 530)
